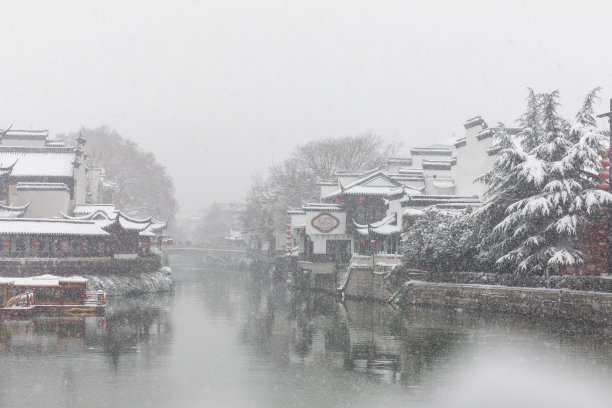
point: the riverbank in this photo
(578, 306)
(403, 289)
(115, 284)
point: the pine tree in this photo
(548, 191)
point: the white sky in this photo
(220, 89)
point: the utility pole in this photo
(609, 236)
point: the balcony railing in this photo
(377, 259)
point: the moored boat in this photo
(49, 294)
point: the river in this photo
(224, 339)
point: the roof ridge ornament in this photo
(81, 140)
(4, 132)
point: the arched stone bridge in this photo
(197, 254)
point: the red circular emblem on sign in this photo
(325, 222)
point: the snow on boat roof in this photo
(48, 226)
(33, 162)
(42, 280)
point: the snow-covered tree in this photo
(546, 179)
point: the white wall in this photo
(44, 204)
(472, 162)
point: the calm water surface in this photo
(223, 339)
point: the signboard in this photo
(325, 222)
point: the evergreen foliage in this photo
(543, 189)
(541, 194)
(439, 242)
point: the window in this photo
(73, 294)
(334, 247)
(47, 294)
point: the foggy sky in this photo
(220, 89)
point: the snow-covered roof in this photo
(126, 223)
(146, 233)
(355, 187)
(108, 209)
(37, 162)
(413, 212)
(354, 173)
(475, 121)
(322, 207)
(45, 226)
(27, 186)
(402, 161)
(106, 183)
(327, 183)
(411, 171)
(13, 212)
(386, 226)
(431, 151)
(428, 200)
(443, 183)
(406, 177)
(461, 142)
(436, 165)
(25, 134)
(296, 211)
(55, 143)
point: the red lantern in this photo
(36, 244)
(63, 245)
(363, 242)
(83, 245)
(6, 244)
(360, 199)
(604, 186)
(604, 175)
(101, 245)
(603, 244)
(605, 163)
(373, 242)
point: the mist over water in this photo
(224, 339)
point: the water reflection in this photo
(226, 339)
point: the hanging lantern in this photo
(83, 245)
(36, 245)
(101, 245)
(605, 163)
(373, 242)
(382, 199)
(604, 175)
(360, 199)
(63, 245)
(6, 244)
(604, 186)
(603, 244)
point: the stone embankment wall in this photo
(77, 266)
(364, 283)
(580, 306)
